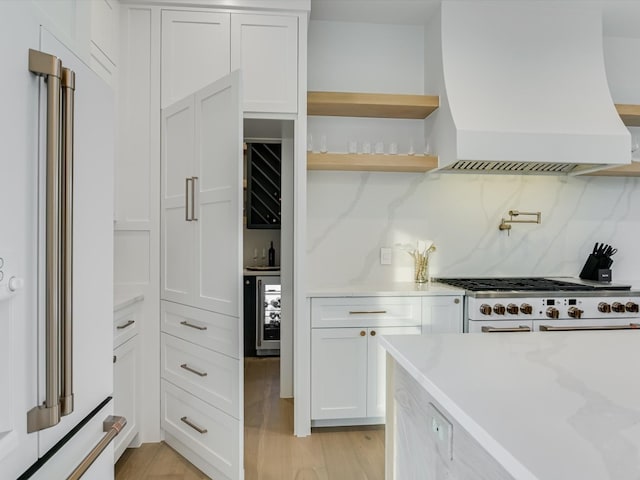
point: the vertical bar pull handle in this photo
(66, 310)
(48, 414)
(193, 199)
(187, 217)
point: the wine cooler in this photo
(268, 317)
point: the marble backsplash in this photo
(351, 215)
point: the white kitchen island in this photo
(526, 406)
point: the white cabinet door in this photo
(126, 359)
(265, 47)
(178, 231)
(218, 201)
(213, 247)
(442, 314)
(338, 373)
(195, 51)
(376, 384)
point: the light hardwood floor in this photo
(271, 450)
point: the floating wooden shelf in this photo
(630, 114)
(371, 163)
(377, 105)
(631, 170)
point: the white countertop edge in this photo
(123, 300)
(493, 447)
(399, 289)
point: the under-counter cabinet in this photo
(201, 46)
(347, 363)
(126, 371)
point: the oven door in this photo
(575, 325)
(500, 326)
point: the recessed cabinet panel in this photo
(442, 314)
(208, 329)
(205, 430)
(265, 47)
(195, 51)
(338, 373)
(264, 167)
(210, 376)
(125, 391)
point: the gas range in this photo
(546, 304)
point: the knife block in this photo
(597, 268)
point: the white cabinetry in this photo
(347, 364)
(103, 47)
(199, 47)
(126, 372)
(195, 51)
(442, 314)
(265, 47)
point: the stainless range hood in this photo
(523, 89)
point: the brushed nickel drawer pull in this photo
(125, 325)
(364, 312)
(187, 324)
(193, 370)
(521, 328)
(193, 425)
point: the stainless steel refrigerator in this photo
(56, 257)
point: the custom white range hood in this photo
(522, 88)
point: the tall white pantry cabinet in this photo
(169, 50)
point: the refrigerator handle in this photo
(48, 414)
(66, 298)
(112, 426)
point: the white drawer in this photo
(205, 430)
(204, 328)
(365, 312)
(208, 375)
(126, 323)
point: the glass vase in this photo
(421, 268)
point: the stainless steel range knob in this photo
(631, 307)
(617, 307)
(575, 312)
(552, 312)
(526, 309)
(512, 309)
(499, 309)
(604, 307)
(485, 309)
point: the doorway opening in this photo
(268, 243)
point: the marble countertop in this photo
(123, 298)
(398, 289)
(545, 406)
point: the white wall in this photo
(352, 214)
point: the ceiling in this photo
(621, 17)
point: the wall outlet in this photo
(385, 256)
(442, 432)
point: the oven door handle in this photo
(549, 328)
(521, 328)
